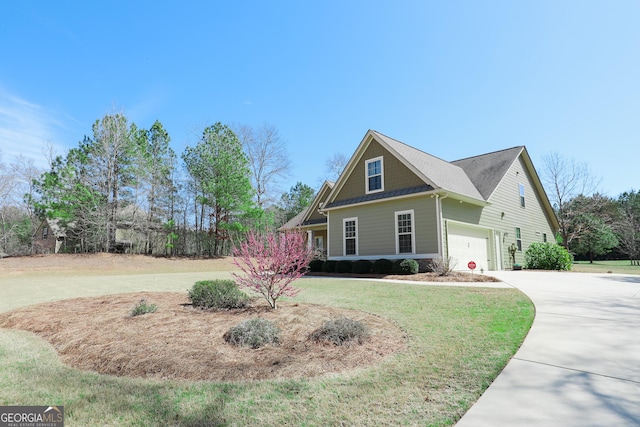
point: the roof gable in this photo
(487, 170)
(435, 174)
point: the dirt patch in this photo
(180, 342)
(110, 264)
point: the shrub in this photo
(341, 331)
(344, 266)
(253, 333)
(442, 266)
(270, 262)
(405, 266)
(217, 295)
(382, 266)
(316, 265)
(547, 256)
(362, 266)
(329, 266)
(143, 307)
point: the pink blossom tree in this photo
(270, 262)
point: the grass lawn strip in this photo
(458, 340)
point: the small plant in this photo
(547, 256)
(382, 266)
(344, 266)
(443, 266)
(341, 331)
(143, 307)
(362, 266)
(217, 295)
(253, 333)
(270, 262)
(316, 265)
(405, 266)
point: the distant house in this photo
(395, 201)
(133, 235)
(50, 237)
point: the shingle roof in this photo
(300, 219)
(296, 221)
(487, 170)
(442, 174)
(380, 196)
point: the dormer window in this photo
(374, 176)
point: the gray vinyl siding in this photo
(532, 219)
(376, 227)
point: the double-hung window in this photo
(374, 175)
(521, 189)
(405, 232)
(350, 226)
(519, 239)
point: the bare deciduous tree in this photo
(334, 165)
(268, 158)
(564, 179)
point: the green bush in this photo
(382, 266)
(362, 266)
(341, 331)
(217, 295)
(253, 333)
(547, 256)
(329, 266)
(344, 266)
(405, 266)
(143, 307)
(316, 265)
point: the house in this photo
(49, 237)
(395, 201)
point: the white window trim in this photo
(413, 231)
(366, 175)
(521, 195)
(344, 237)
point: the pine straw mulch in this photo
(453, 277)
(181, 342)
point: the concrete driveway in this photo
(580, 363)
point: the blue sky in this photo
(453, 78)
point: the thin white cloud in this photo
(26, 129)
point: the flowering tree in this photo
(271, 262)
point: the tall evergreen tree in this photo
(221, 176)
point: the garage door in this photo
(468, 244)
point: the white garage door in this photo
(468, 244)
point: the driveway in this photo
(580, 363)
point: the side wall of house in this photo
(506, 213)
(376, 231)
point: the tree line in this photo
(592, 225)
(124, 189)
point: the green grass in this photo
(459, 339)
(617, 266)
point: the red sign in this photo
(471, 265)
